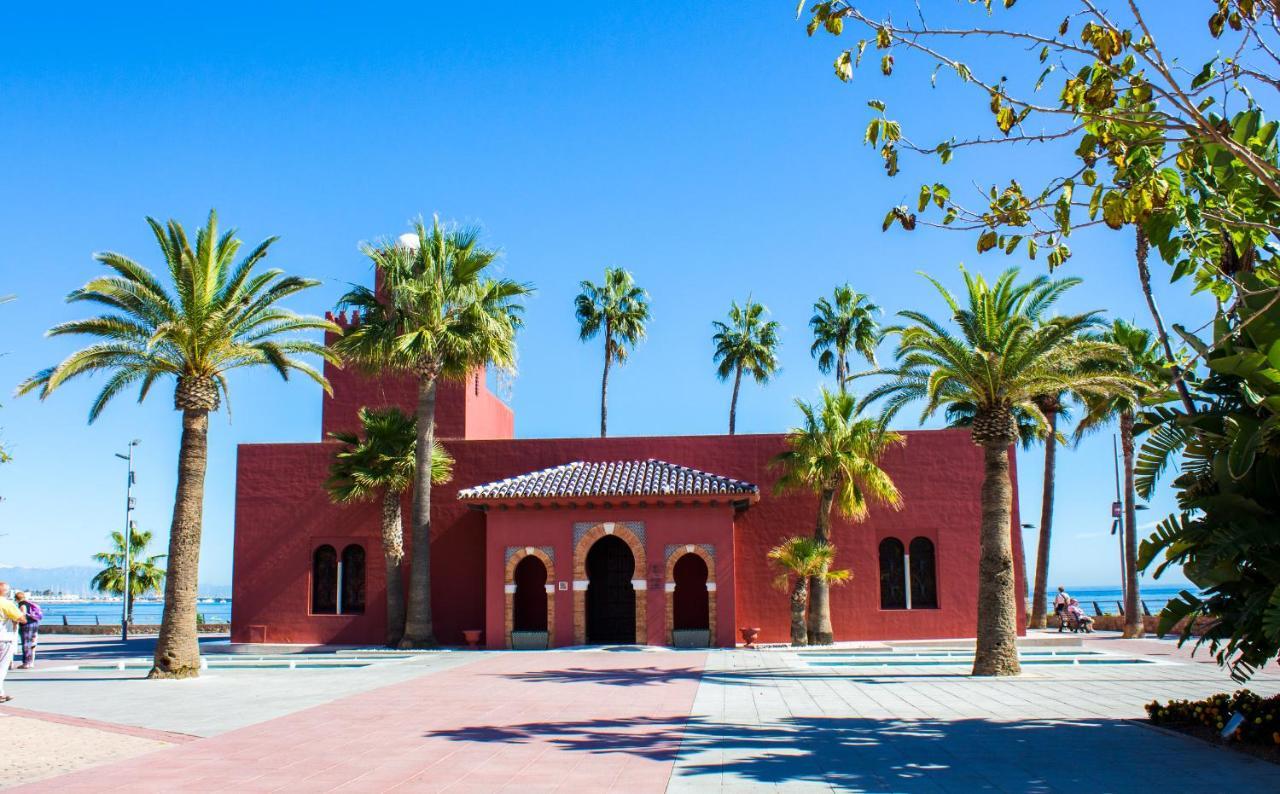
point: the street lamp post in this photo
(128, 540)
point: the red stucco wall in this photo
(282, 512)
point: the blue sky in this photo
(711, 153)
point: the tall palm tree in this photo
(214, 316)
(1143, 362)
(145, 574)
(835, 453)
(620, 309)
(747, 343)
(379, 465)
(842, 325)
(440, 315)
(1001, 359)
(804, 559)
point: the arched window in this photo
(352, 579)
(924, 576)
(690, 604)
(324, 581)
(529, 606)
(893, 575)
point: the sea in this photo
(107, 611)
(1154, 596)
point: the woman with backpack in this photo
(29, 631)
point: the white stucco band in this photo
(580, 584)
(508, 588)
(638, 584)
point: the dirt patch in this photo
(37, 749)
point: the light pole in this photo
(128, 540)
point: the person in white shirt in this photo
(1060, 602)
(10, 618)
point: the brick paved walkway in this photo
(445, 730)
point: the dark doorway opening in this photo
(529, 610)
(691, 609)
(611, 600)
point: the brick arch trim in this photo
(580, 550)
(674, 557)
(514, 560)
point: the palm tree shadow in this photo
(869, 754)
(649, 676)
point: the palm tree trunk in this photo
(1133, 626)
(604, 385)
(418, 630)
(997, 643)
(1046, 522)
(733, 403)
(1144, 276)
(393, 556)
(842, 369)
(178, 649)
(799, 598)
(820, 632)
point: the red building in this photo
(597, 540)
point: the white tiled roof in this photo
(615, 478)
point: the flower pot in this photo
(749, 636)
(529, 640)
(691, 638)
(472, 637)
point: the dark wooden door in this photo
(611, 601)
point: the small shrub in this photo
(1261, 715)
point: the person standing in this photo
(1060, 602)
(29, 631)
(11, 618)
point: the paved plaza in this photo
(638, 720)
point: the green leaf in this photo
(1244, 446)
(876, 104)
(925, 195)
(987, 240)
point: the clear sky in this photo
(712, 153)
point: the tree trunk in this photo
(997, 647)
(733, 403)
(799, 598)
(1144, 276)
(604, 384)
(418, 630)
(393, 556)
(1046, 523)
(178, 649)
(820, 632)
(1133, 626)
(842, 370)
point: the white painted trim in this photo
(579, 585)
(550, 588)
(906, 575)
(608, 527)
(711, 587)
(638, 584)
(509, 589)
(670, 587)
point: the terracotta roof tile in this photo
(615, 478)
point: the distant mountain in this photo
(74, 580)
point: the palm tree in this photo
(213, 317)
(1001, 360)
(835, 454)
(747, 343)
(145, 575)
(804, 559)
(439, 316)
(843, 324)
(379, 466)
(620, 309)
(1143, 362)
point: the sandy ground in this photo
(36, 749)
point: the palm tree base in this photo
(1133, 632)
(416, 643)
(158, 673)
(999, 666)
(1038, 622)
(823, 638)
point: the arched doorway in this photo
(611, 598)
(691, 608)
(529, 608)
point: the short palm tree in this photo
(439, 315)
(999, 359)
(378, 464)
(804, 559)
(1144, 362)
(145, 573)
(842, 325)
(835, 453)
(620, 309)
(212, 317)
(746, 343)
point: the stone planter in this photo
(472, 637)
(749, 636)
(691, 638)
(529, 640)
